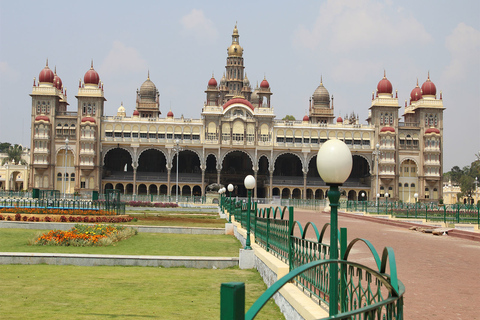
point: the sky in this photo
(347, 43)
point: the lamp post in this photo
(65, 173)
(249, 183)
(476, 187)
(364, 207)
(377, 156)
(177, 149)
(386, 202)
(378, 203)
(230, 189)
(416, 197)
(334, 164)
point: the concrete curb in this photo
(117, 260)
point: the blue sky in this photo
(349, 43)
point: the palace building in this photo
(237, 134)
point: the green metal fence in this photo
(365, 293)
(448, 213)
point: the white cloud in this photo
(354, 71)
(200, 27)
(464, 47)
(7, 72)
(343, 26)
(122, 60)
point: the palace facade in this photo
(85, 150)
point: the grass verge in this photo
(73, 292)
(16, 240)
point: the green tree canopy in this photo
(14, 154)
(289, 118)
(4, 146)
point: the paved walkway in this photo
(441, 274)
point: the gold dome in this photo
(235, 49)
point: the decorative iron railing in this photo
(365, 293)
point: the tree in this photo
(4, 146)
(289, 118)
(14, 154)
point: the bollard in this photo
(232, 301)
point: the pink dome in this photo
(46, 75)
(306, 118)
(432, 130)
(88, 119)
(136, 113)
(384, 86)
(91, 76)
(416, 93)
(212, 82)
(428, 88)
(388, 129)
(170, 114)
(57, 82)
(238, 100)
(264, 84)
(42, 118)
(339, 119)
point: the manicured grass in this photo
(16, 240)
(73, 292)
(180, 219)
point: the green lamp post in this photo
(230, 189)
(386, 202)
(249, 183)
(334, 164)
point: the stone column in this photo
(203, 182)
(304, 185)
(271, 184)
(256, 184)
(134, 166)
(169, 190)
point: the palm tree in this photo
(14, 154)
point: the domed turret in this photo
(46, 75)
(121, 111)
(306, 118)
(384, 86)
(339, 119)
(428, 87)
(91, 76)
(321, 96)
(416, 93)
(136, 113)
(57, 82)
(264, 84)
(148, 90)
(246, 82)
(212, 82)
(170, 114)
(235, 49)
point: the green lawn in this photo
(180, 219)
(16, 240)
(73, 292)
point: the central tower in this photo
(234, 67)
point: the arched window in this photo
(72, 177)
(59, 176)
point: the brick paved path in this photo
(441, 274)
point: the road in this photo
(441, 274)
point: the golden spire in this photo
(148, 75)
(91, 66)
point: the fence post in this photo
(232, 301)
(290, 244)
(343, 270)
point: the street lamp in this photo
(65, 165)
(364, 207)
(476, 187)
(377, 153)
(249, 183)
(334, 164)
(177, 149)
(386, 202)
(378, 203)
(230, 189)
(416, 197)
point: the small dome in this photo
(235, 50)
(339, 119)
(321, 95)
(121, 109)
(57, 82)
(246, 82)
(42, 118)
(254, 96)
(264, 84)
(223, 81)
(306, 118)
(238, 100)
(432, 130)
(170, 114)
(212, 82)
(148, 90)
(91, 76)
(428, 88)
(136, 113)
(88, 119)
(46, 75)
(384, 86)
(416, 94)
(388, 129)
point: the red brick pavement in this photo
(441, 274)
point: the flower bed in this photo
(57, 211)
(85, 235)
(151, 204)
(65, 218)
